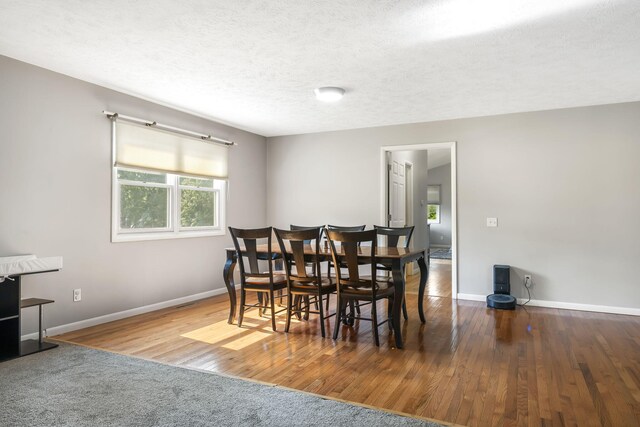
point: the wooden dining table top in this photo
(388, 252)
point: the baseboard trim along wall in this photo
(62, 329)
(563, 305)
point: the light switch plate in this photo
(492, 222)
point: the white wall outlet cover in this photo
(492, 222)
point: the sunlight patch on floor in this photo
(254, 329)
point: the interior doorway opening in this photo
(410, 197)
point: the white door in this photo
(397, 193)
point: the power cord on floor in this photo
(526, 282)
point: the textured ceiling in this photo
(254, 64)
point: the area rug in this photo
(77, 386)
(440, 253)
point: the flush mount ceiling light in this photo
(329, 93)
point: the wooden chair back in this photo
(350, 242)
(305, 227)
(295, 259)
(249, 249)
(394, 233)
(346, 228)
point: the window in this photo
(433, 204)
(166, 185)
(150, 205)
(433, 214)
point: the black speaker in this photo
(501, 281)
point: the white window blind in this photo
(140, 146)
(433, 194)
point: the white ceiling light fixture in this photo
(329, 93)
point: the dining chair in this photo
(322, 229)
(307, 227)
(251, 277)
(393, 235)
(330, 264)
(345, 227)
(352, 286)
(304, 227)
(304, 285)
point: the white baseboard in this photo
(62, 329)
(563, 305)
(472, 297)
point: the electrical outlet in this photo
(77, 295)
(528, 280)
(492, 222)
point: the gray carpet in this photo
(77, 386)
(440, 253)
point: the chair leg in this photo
(273, 310)
(296, 304)
(306, 307)
(289, 314)
(242, 303)
(321, 315)
(390, 312)
(374, 323)
(404, 310)
(349, 318)
(328, 296)
(339, 309)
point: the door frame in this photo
(454, 198)
(408, 193)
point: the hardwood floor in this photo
(467, 365)
(439, 283)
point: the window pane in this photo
(143, 207)
(433, 214)
(196, 182)
(142, 176)
(197, 208)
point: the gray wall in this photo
(563, 185)
(440, 234)
(55, 187)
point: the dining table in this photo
(397, 257)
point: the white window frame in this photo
(174, 230)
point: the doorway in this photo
(397, 196)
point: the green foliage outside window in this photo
(432, 212)
(148, 206)
(197, 208)
(143, 207)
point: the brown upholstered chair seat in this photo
(326, 285)
(383, 286)
(278, 279)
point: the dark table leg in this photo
(424, 275)
(227, 273)
(398, 280)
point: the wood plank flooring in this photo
(467, 365)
